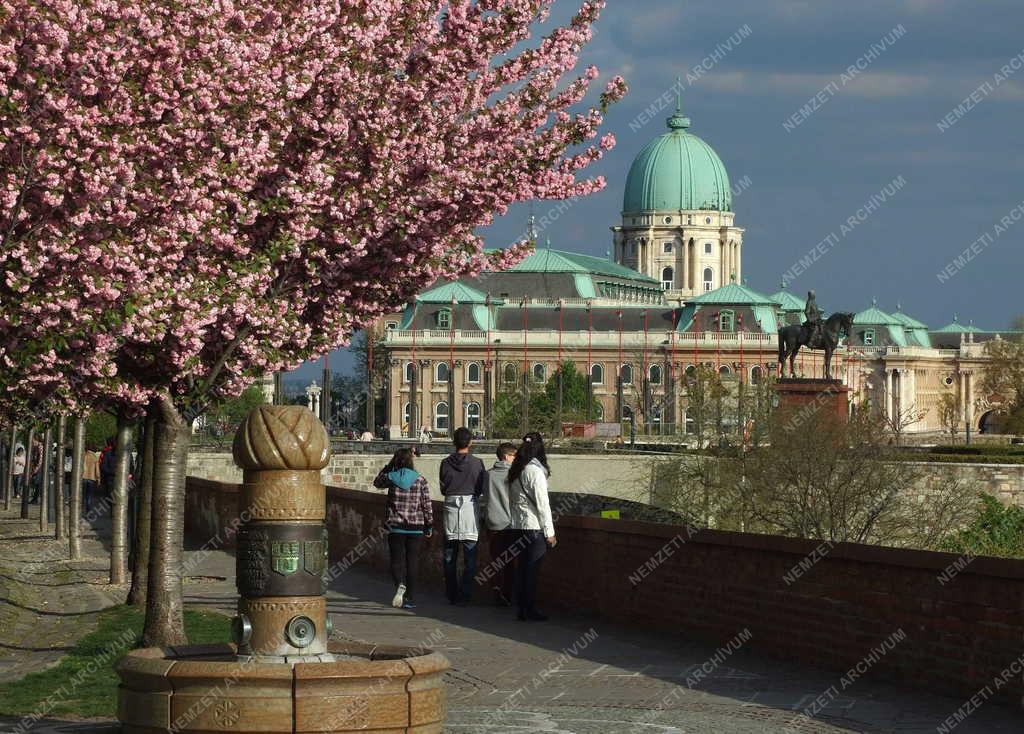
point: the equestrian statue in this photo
(813, 334)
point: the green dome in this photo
(676, 171)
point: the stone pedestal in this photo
(809, 397)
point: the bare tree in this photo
(949, 413)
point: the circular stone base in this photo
(205, 688)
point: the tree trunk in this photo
(9, 477)
(44, 481)
(164, 614)
(60, 529)
(119, 519)
(75, 508)
(140, 571)
(27, 484)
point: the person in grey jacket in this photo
(501, 536)
(462, 482)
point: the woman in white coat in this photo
(531, 520)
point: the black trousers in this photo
(503, 557)
(532, 546)
(405, 559)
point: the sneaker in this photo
(408, 605)
(396, 602)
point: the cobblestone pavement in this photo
(572, 675)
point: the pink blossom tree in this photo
(196, 194)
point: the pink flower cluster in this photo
(192, 194)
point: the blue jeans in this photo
(454, 590)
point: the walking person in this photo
(409, 518)
(532, 520)
(90, 479)
(462, 482)
(501, 537)
(18, 468)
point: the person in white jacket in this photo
(531, 519)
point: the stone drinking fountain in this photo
(283, 674)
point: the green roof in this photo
(546, 260)
(788, 301)
(734, 293)
(908, 321)
(460, 292)
(957, 328)
(677, 171)
(875, 316)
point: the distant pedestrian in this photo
(501, 536)
(463, 477)
(531, 517)
(409, 518)
(366, 436)
(90, 479)
(108, 467)
(35, 471)
(424, 435)
(18, 468)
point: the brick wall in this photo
(959, 635)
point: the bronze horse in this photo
(792, 337)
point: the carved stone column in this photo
(282, 543)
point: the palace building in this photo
(671, 296)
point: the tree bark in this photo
(164, 607)
(44, 481)
(9, 477)
(60, 526)
(75, 508)
(140, 571)
(27, 484)
(119, 519)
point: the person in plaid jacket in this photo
(409, 518)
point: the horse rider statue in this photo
(813, 323)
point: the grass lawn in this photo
(83, 684)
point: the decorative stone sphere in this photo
(277, 437)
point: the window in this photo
(510, 374)
(724, 370)
(626, 374)
(407, 413)
(707, 220)
(444, 318)
(473, 416)
(391, 325)
(708, 248)
(691, 425)
(869, 337)
(668, 220)
(596, 374)
(441, 372)
(598, 411)
(539, 373)
(691, 371)
(709, 279)
(473, 372)
(666, 247)
(654, 374)
(441, 416)
(408, 371)
(726, 321)
(667, 279)
(689, 219)
(756, 374)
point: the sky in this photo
(905, 115)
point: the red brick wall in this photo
(960, 636)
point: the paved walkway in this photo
(568, 676)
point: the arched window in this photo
(539, 373)
(724, 370)
(667, 278)
(756, 374)
(473, 416)
(441, 372)
(441, 416)
(726, 320)
(598, 411)
(626, 373)
(510, 374)
(709, 279)
(691, 371)
(654, 374)
(444, 318)
(473, 372)
(408, 371)
(407, 414)
(596, 374)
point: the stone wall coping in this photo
(1007, 568)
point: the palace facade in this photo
(672, 296)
